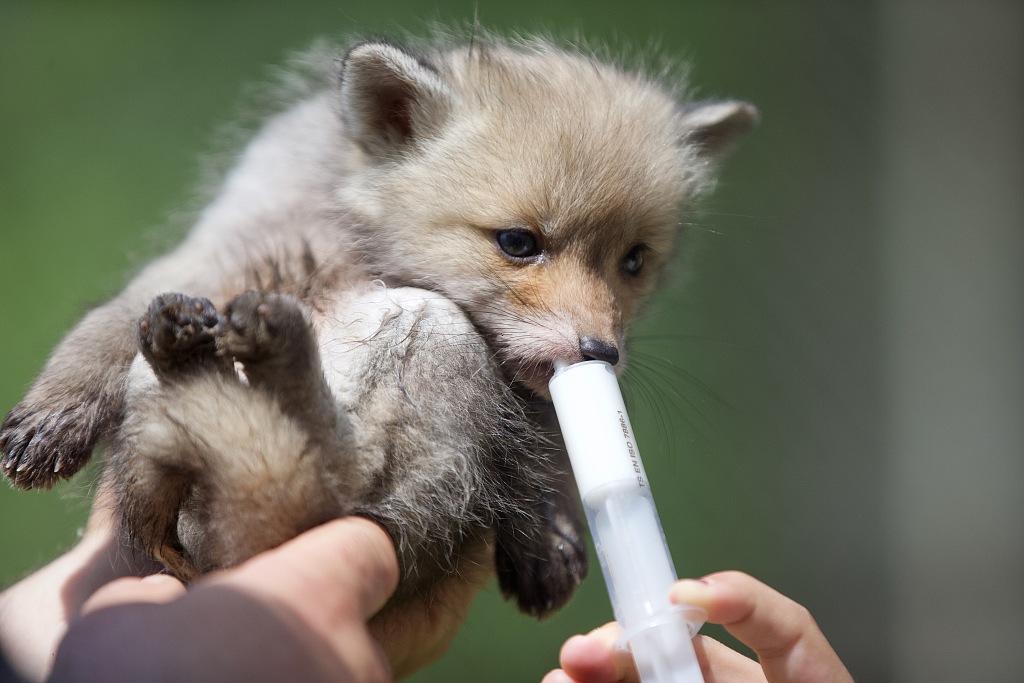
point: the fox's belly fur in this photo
(400, 415)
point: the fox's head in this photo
(538, 188)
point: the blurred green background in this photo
(829, 392)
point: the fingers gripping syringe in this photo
(624, 524)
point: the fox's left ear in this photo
(391, 99)
(714, 128)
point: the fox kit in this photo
(365, 317)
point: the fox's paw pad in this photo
(177, 331)
(542, 572)
(259, 326)
(42, 444)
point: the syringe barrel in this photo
(624, 523)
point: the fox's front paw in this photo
(260, 327)
(44, 442)
(178, 332)
(542, 568)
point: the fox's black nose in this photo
(593, 348)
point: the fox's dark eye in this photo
(518, 243)
(634, 260)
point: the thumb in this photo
(155, 589)
(348, 565)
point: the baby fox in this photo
(365, 317)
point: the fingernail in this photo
(697, 592)
(154, 579)
(607, 636)
(161, 580)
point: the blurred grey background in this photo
(829, 391)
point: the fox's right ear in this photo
(390, 99)
(712, 129)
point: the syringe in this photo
(624, 524)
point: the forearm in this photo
(34, 613)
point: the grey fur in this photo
(211, 466)
(403, 168)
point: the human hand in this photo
(789, 645)
(298, 612)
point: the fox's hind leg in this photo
(177, 337)
(271, 336)
(210, 471)
(150, 492)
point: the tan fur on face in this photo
(584, 155)
(543, 313)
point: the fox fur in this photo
(364, 318)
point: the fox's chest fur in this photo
(516, 200)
